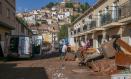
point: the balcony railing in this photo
(106, 18)
(92, 24)
(125, 10)
(121, 12)
(111, 16)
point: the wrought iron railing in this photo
(125, 10)
(106, 18)
(92, 24)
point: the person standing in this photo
(88, 45)
(83, 44)
(64, 50)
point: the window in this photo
(0, 8)
(74, 31)
(107, 7)
(90, 16)
(68, 10)
(85, 27)
(83, 21)
(100, 40)
(78, 30)
(8, 13)
(107, 37)
(75, 40)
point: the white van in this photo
(20, 46)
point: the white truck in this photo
(20, 46)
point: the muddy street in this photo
(51, 68)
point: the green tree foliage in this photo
(23, 23)
(50, 5)
(84, 6)
(63, 33)
(69, 5)
(73, 18)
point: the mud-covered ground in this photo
(45, 68)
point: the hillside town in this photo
(66, 39)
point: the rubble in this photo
(124, 56)
(70, 57)
(105, 66)
(122, 59)
(108, 50)
(106, 60)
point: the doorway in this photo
(99, 40)
(1, 51)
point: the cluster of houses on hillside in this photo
(48, 21)
(45, 22)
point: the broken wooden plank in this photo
(122, 59)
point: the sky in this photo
(22, 5)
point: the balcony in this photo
(111, 18)
(106, 18)
(125, 11)
(92, 24)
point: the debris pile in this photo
(70, 57)
(111, 58)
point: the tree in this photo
(50, 5)
(69, 5)
(84, 6)
(63, 33)
(73, 18)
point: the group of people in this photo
(86, 44)
(83, 46)
(66, 48)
